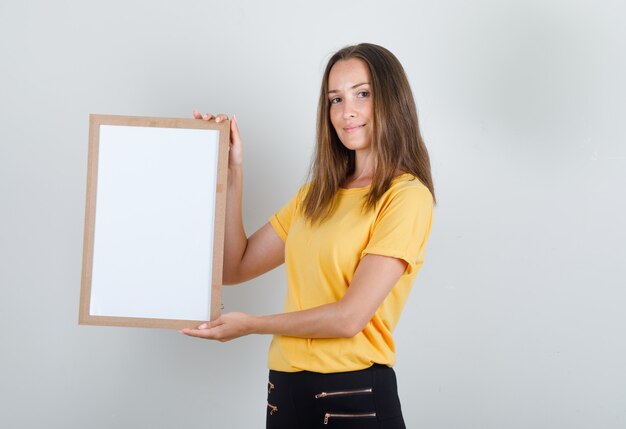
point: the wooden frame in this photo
(154, 221)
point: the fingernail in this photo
(203, 326)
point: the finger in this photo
(210, 324)
(207, 334)
(204, 327)
(197, 114)
(208, 116)
(235, 136)
(198, 333)
(221, 117)
(234, 130)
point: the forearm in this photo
(373, 280)
(326, 321)
(235, 240)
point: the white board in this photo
(151, 233)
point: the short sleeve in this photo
(403, 226)
(281, 220)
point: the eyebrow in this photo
(334, 91)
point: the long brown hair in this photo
(397, 143)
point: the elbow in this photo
(350, 325)
(227, 279)
(349, 319)
(233, 272)
(230, 277)
(349, 330)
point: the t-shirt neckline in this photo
(366, 188)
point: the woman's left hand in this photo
(225, 328)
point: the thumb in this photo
(211, 323)
(207, 325)
(234, 131)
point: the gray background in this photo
(516, 320)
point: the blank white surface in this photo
(154, 222)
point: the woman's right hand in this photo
(235, 155)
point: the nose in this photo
(348, 110)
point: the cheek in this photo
(334, 119)
(369, 109)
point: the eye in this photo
(335, 100)
(363, 94)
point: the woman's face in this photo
(351, 105)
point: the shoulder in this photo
(407, 189)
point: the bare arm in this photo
(373, 280)
(244, 258)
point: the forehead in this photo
(347, 73)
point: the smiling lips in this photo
(353, 128)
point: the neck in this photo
(363, 170)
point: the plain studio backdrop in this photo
(517, 318)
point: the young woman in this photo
(352, 240)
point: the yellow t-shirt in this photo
(320, 261)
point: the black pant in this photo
(357, 399)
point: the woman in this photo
(352, 240)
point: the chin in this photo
(355, 145)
